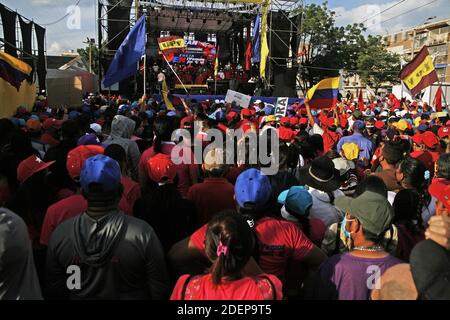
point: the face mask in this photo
(343, 229)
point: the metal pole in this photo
(176, 75)
(90, 56)
(145, 74)
(99, 42)
(413, 44)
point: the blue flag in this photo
(131, 50)
(256, 54)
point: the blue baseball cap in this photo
(88, 139)
(252, 187)
(359, 125)
(102, 170)
(423, 127)
(297, 200)
(73, 115)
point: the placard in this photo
(240, 99)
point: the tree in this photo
(325, 47)
(377, 65)
(84, 53)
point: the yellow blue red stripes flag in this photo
(13, 70)
(324, 94)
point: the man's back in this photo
(210, 197)
(119, 257)
(366, 146)
(348, 277)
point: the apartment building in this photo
(433, 34)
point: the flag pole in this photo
(145, 56)
(176, 75)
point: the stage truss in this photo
(209, 16)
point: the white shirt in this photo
(322, 208)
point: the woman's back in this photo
(262, 287)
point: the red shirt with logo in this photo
(279, 241)
(262, 287)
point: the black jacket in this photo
(120, 257)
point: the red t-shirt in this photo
(131, 193)
(279, 241)
(249, 288)
(183, 170)
(210, 197)
(330, 139)
(71, 206)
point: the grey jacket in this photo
(119, 258)
(122, 129)
(18, 277)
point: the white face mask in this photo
(286, 215)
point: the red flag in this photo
(361, 100)
(248, 52)
(248, 55)
(395, 103)
(438, 100)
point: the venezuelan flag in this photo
(13, 70)
(324, 94)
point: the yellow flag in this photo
(264, 46)
(165, 94)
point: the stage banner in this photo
(240, 99)
(171, 43)
(9, 30)
(281, 107)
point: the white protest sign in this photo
(240, 99)
(281, 108)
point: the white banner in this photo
(240, 99)
(281, 108)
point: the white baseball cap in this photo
(96, 127)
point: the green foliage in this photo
(84, 53)
(327, 48)
(382, 66)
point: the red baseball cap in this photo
(77, 157)
(303, 121)
(417, 138)
(379, 124)
(33, 125)
(52, 122)
(284, 121)
(30, 166)
(429, 139)
(231, 115)
(186, 122)
(160, 168)
(443, 132)
(285, 134)
(246, 112)
(293, 121)
(440, 189)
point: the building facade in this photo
(433, 34)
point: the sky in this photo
(74, 29)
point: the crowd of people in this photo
(95, 203)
